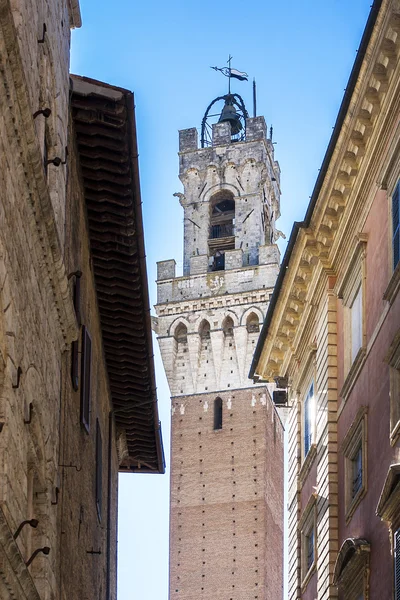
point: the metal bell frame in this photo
(206, 124)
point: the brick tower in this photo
(227, 440)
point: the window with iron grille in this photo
(308, 419)
(396, 225)
(86, 367)
(99, 469)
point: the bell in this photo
(229, 114)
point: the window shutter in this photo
(397, 565)
(86, 366)
(396, 225)
(74, 347)
(77, 297)
(356, 324)
(75, 365)
(99, 469)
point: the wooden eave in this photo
(316, 244)
(105, 133)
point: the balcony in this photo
(222, 231)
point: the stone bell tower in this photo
(227, 440)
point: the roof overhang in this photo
(105, 133)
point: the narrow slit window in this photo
(218, 413)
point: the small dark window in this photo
(86, 367)
(396, 225)
(218, 413)
(99, 469)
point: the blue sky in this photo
(301, 54)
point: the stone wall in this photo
(47, 458)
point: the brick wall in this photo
(226, 498)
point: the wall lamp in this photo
(32, 522)
(46, 112)
(44, 550)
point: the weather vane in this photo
(229, 72)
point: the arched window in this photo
(181, 334)
(205, 330)
(228, 327)
(222, 218)
(218, 413)
(222, 228)
(252, 323)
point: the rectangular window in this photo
(310, 549)
(308, 419)
(357, 471)
(354, 449)
(308, 536)
(86, 367)
(397, 564)
(356, 324)
(393, 359)
(99, 469)
(396, 225)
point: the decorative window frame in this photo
(389, 181)
(308, 525)
(351, 573)
(388, 508)
(306, 380)
(393, 360)
(348, 287)
(356, 436)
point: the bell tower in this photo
(227, 439)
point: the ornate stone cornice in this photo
(19, 123)
(340, 206)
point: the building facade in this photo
(77, 389)
(332, 337)
(227, 440)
